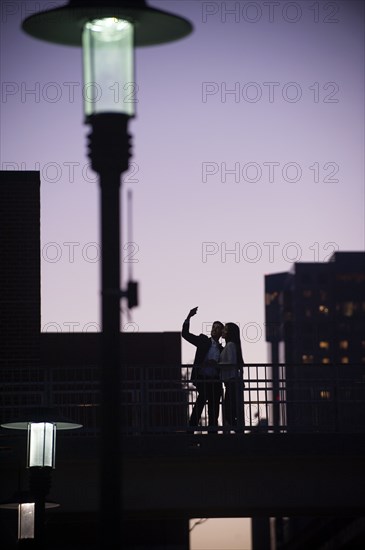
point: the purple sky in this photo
(292, 133)
(204, 235)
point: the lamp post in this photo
(108, 31)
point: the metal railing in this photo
(160, 399)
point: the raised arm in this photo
(186, 334)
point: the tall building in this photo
(20, 267)
(315, 315)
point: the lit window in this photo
(344, 360)
(325, 394)
(270, 297)
(325, 360)
(348, 309)
(323, 344)
(344, 344)
(323, 309)
(307, 358)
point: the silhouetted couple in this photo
(215, 365)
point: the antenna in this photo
(129, 228)
(132, 287)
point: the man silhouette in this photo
(205, 372)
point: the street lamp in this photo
(108, 31)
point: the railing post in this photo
(240, 401)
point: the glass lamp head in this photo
(41, 425)
(41, 445)
(108, 66)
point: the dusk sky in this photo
(248, 155)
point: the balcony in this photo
(298, 448)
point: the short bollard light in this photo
(24, 503)
(41, 425)
(41, 430)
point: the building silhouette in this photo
(315, 313)
(315, 316)
(20, 267)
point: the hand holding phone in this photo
(193, 312)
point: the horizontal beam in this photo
(217, 475)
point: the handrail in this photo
(159, 398)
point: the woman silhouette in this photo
(230, 363)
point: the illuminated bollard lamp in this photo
(25, 502)
(41, 425)
(108, 31)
